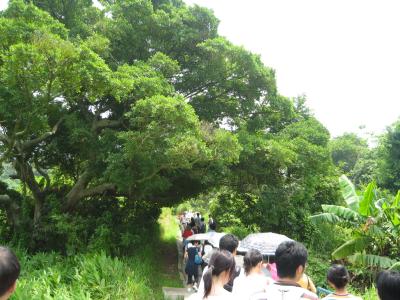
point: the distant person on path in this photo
(211, 221)
(290, 258)
(197, 219)
(244, 287)
(230, 243)
(9, 272)
(202, 226)
(388, 285)
(221, 269)
(338, 278)
(187, 232)
(191, 268)
(212, 228)
(192, 222)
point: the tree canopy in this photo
(106, 115)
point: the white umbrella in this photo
(266, 242)
(198, 237)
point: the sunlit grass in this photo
(51, 276)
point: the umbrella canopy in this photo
(215, 237)
(265, 242)
(198, 237)
(212, 237)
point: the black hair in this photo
(228, 242)
(9, 269)
(338, 276)
(388, 285)
(198, 214)
(220, 261)
(289, 256)
(202, 219)
(251, 259)
(213, 226)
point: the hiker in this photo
(212, 222)
(388, 285)
(9, 272)
(338, 278)
(192, 263)
(254, 281)
(212, 227)
(230, 243)
(290, 258)
(221, 269)
(197, 219)
(202, 226)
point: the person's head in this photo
(213, 226)
(290, 258)
(252, 259)
(229, 242)
(198, 214)
(338, 277)
(202, 219)
(222, 265)
(191, 219)
(9, 272)
(196, 243)
(188, 227)
(388, 285)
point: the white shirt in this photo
(278, 291)
(201, 285)
(219, 294)
(246, 286)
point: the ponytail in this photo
(207, 278)
(221, 261)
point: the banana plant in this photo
(371, 220)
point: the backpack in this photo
(198, 260)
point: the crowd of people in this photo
(281, 278)
(220, 278)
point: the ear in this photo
(12, 288)
(299, 271)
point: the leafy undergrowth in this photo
(48, 276)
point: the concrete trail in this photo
(178, 293)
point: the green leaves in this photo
(325, 218)
(349, 193)
(350, 247)
(343, 213)
(367, 202)
(370, 260)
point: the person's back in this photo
(9, 272)
(290, 258)
(388, 285)
(338, 278)
(228, 242)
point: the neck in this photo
(287, 280)
(217, 284)
(341, 291)
(254, 271)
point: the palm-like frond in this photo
(342, 212)
(351, 247)
(366, 203)
(370, 260)
(349, 193)
(325, 218)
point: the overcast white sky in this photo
(344, 55)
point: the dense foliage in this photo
(109, 114)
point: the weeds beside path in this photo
(90, 276)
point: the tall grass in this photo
(51, 276)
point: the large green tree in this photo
(108, 114)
